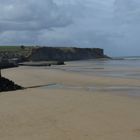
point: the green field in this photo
(16, 49)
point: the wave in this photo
(132, 58)
(127, 58)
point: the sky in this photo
(113, 25)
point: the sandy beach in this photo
(63, 105)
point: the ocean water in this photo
(126, 67)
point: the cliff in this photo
(65, 54)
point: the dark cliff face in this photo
(8, 85)
(65, 54)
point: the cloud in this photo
(91, 28)
(112, 24)
(127, 20)
(32, 15)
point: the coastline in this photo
(66, 107)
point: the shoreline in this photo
(65, 78)
(68, 105)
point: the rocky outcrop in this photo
(65, 54)
(7, 64)
(42, 63)
(8, 85)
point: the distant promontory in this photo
(37, 53)
(65, 53)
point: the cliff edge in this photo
(65, 53)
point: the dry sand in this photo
(70, 113)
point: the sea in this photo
(120, 67)
(127, 67)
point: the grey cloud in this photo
(127, 11)
(127, 22)
(32, 15)
(111, 24)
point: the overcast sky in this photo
(110, 24)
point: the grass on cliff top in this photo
(16, 49)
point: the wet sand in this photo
(65, 105)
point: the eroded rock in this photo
(8, 85)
